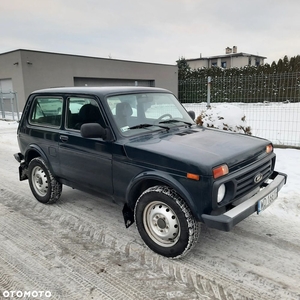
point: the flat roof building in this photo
(23, 71)
(231, 59)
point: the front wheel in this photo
(43, 185)
(165, 222)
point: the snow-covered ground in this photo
(79, 247)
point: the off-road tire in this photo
(165, 222)
(43, 185)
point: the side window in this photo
(82, 110)
(46, 111)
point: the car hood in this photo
(196, 148)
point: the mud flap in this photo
(23, 172)
(128, 215)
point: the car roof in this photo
(100, 91)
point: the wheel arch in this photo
(35, 151)
(148, 179)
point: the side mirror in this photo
(93, 130)
(192, 114)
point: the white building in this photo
(231, 59)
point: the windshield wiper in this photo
(148, 125)
(176, 121)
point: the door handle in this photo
(63, 138)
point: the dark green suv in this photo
(140, 147)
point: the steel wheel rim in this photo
(39, 181)
(161, 224)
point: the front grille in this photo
(245, 182)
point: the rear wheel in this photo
(43, 185)
(165, 222)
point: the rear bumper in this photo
(226, 221)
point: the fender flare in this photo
(164, 178)
(36, 148)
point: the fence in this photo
(9, 109)
(271, 102)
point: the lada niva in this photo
(141, 148)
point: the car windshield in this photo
(142, 112)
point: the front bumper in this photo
(240, 212)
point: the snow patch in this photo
(225, 117)
(8, 124)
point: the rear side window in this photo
(46, 111)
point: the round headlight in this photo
(221, 193)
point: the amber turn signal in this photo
(192, 176)
(269, 148)
(220, 171)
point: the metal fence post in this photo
(12, 105)
(208, 91)
(2, 106)
(17, 106)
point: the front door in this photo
(85, 161)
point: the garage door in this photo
(82, 81)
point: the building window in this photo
(214, 64)
(257, 61)
(223, 64)
(249, 61)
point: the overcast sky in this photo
(159, 31)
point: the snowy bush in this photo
(225, 117)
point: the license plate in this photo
(266, 201)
